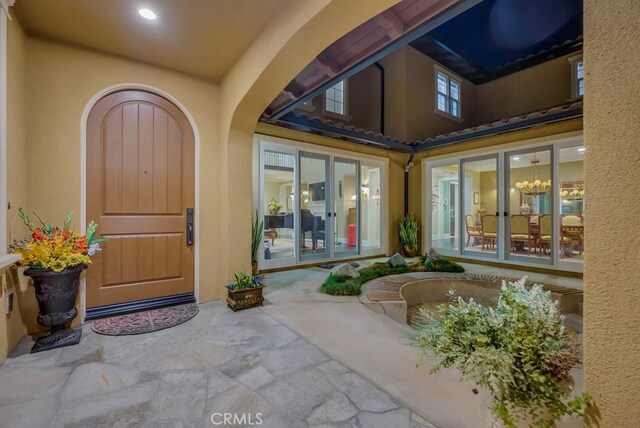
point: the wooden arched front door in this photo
(140, 184)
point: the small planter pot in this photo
(56, 293)
(410, 250)
(246, 298)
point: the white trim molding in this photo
(83, 172)
(4, 14)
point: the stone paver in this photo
(245, 363)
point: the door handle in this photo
(189, 227)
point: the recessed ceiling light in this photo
(147, 13)
(516, 158)
(581, 149)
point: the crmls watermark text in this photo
(244, 419)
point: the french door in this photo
(481, 207)
(318, 206)
(531, 226)
(505, 208)
(315, 196)
(346, 209)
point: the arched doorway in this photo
(141, 192)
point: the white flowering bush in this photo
(518, 350)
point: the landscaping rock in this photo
(432, 254)
(397, 260)
(345, 269)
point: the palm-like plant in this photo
(409, 228)
(256, 236)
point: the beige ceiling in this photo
(199, 37)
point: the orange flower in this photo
(81, 246)
(37, 234)
(66, 234)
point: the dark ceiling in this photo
(499, 37)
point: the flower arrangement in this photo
(519, 351)
(274, 206)
(244, 281)
(53, 248)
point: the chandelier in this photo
(574, 194)
(536, 186)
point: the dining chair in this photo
(519, 230)
(489, 231)
(472, 229)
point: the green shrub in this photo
(341, 285)
(519, 351)
(442, 265)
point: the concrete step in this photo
(574, 321)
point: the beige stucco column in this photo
(290, 42)
(612, 173)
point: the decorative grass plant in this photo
(519, 351)
(257, 229)
(409, 228)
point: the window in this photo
(335, 99)
(577, 76)
(448, 93)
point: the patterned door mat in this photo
(145, 322)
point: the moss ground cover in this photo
(339, 285)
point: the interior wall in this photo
(612, 167)
(15, 325)
(536, 88)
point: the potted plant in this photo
(518, 350)
(274, 207)
(55, 258)
(257, 230)
(409, 228)
(245, 292)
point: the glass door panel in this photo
(530, 228)
(314, 205)
(278, 212)
(572, 198)
(481, 216)
(444, 196)
(346, 212)
(370, 212)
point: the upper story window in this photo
(335, 99)
(448, 94)
(577, 76)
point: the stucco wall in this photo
(536, 88)
(59, 81)
(12, 327)
(612, 167)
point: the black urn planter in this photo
(56, 293)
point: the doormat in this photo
(145, 322)
(332, 265)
